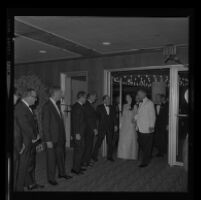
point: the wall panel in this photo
(49, 72)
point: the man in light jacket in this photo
(145, 120)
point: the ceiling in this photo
(64, 37)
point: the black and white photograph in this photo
(100, 104)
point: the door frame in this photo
(173, 103)
(176, 104)
(64, 105)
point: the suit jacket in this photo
(90, 116)
(106, 122)
(25, 123)
(163, 116)
(145, 116)
(52, 124)
(18, 139)
(78, 122)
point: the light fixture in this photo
(42, 51)
(106, 43)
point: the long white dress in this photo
(127, 145)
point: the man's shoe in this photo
(85, 164)
(90, 164)
(95, 159)
(65, 176)
(111, 159)
(75, 172)
(143, 165)
(159, 155)
(35, 186)
(52, 182)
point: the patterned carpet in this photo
(121, 175)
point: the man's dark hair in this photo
(27, 92)
(81, 94)
(162, 96)
(143, 90)
(53, 89)
(91, 94)
(105, 96)
(16, 92)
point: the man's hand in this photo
(39, 148)
(151, 129)
(49, 145)
(38, 137)
(115, 128)
(77, 136)
(22, 150)
(167, 127)
(95, 132)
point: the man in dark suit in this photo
(18, 145)
(26, 125)
(54, 136)
(78, 130)
(107, 125)
(91, 128)
(161, 126)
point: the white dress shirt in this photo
(158, 107)
(27, 105)
(145, 117)
(55, 105)
(107, 109)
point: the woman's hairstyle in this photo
(132, 102)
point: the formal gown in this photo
(127, 145)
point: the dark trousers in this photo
(55, 158)
(88, 145)
(160, 140)
(78, 154)
(145, 143)
(110, 143)
(26, 170)
(16, 157)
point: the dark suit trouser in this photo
(55, 157)
(16, 158)
(78, 154)
(160, 140)
(88, 145)
(146, 142)
(26, 170)
(110, 143)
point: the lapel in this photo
(27, 109)
(156, 110)
(104, 110)
(78, 105)
(54, 109)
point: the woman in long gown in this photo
(128, 145)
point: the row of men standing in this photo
(84, 128)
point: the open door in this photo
(71, 84)
(178, 114)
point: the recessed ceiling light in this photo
(106, 43)
(42, 51)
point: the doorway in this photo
(165, 79)
(71, 84)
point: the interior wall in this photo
(49, 72)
